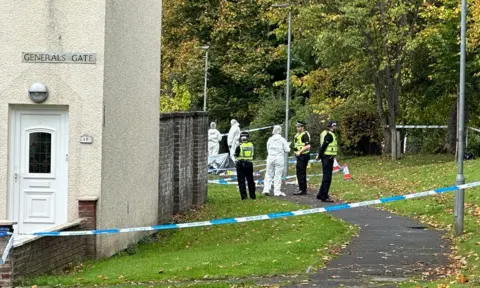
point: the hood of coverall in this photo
(277, 129)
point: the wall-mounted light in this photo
(38, 92)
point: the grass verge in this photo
(263, 248)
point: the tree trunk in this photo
(451, 136)
(393, 137)
(387, 141)
(382, 116)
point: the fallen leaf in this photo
(462, 279)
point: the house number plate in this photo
(85, 139)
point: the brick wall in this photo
(87, 210)
(200, 158)
(6, 270)
(48, 255)
(183, 162)
(165, 185)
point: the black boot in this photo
(300, 192)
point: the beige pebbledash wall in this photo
(51, 26)
(115, 100)
(131, 134)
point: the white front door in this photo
(39, 189)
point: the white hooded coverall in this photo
(277, 146)
(214, 138)
(233, 139)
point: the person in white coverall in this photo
(233, 139)
(214, 138)
(277, 146)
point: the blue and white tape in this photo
(311, 161)
(230, 169)
(258, 217)
(474, 129)
(420, 126)
(7, 250)
(232, 180)
(224, 182)
(221, 169)
(251, 130)
(221, 182)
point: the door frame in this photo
(13, 142)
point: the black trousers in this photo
(245, 171)
(327, 168)
(302, 163)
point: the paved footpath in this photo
(388, 249)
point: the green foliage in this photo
(273, 112)
(179, 102)
(360, 129)
(473, 143)
(400, 56)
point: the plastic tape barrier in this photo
(259, 217)
(252, 130)
(7, 250)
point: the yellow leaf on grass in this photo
(462, 279)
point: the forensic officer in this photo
(328, 151)
(302, 153)
(214, 138)
(244, 157)
(233, 138)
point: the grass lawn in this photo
(224, 284)
(375, 177)
(264, 248)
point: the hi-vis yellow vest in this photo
(299, 143)
(246, 151)
(332, 148)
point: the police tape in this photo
(7, 249)
(474, 129)
(231, 168)
(251, 130)
(261, 165)
(421, 127)
(311, 161)
(221, 182)
(257, 217)
(228, 181)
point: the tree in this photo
(179, 101)
(432, 89)
(370, 39)
(399, 55)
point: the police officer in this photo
(328, 151)
(244, 157)
(302, 153)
